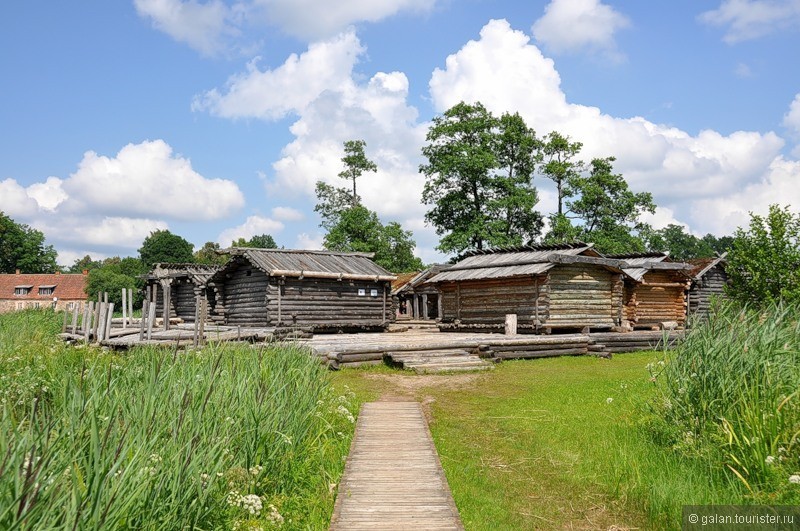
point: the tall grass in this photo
(230, 436)
(729, 394)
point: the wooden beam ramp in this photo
(393, 478)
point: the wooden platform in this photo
(433, 361)
(393, 478)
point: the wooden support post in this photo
(202, 329)
(124, 307)
(97, 309)
(439, 304)
(166, 292)
(107, 333)
(415, 306)
(145, 313)
(511, 324)
(280, 285)
(196, 320)
(383, 312)
(130, 306)
(64, 326)
(88, 313)
(458, 301)
(151, 317)
(75, 317)
(424, 305)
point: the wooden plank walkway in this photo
(393, 478)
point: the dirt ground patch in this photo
(403, 387)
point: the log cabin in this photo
(708, 279)
(327, 291)
(416, 298)
(655, 290)
(179, 285)
(549, 288)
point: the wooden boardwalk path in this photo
(393, 478)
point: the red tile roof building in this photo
(51, 290)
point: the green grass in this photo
(538, 444)
(228, 436)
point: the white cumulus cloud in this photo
(15, 201)
(252, 226)
(213, 27)
(271, 94)
(751, 19)
(570, 26)
(148, 179)
(204, 26)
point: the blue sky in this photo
(215, 118)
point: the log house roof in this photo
(701, 266)
(639, 264)
(199, 274)
(522, 261)
(311, 264)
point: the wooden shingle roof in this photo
(522, 261)
(311, 264)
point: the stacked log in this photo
(617, 343)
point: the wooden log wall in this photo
(329, 303)
(661, 297)
(582, 295)
(486, 302)
(183, 299)
(711, 285)
(244, 295)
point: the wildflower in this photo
(274, 516)
(343, 411)
(219, 474)
(155, 458)
(609, 400)
(256, 470)
(250, 503)
(681, 391)
(769, 460)
(781, 450)
(660, 363)
(118, 473)
(794, 478)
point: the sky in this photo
(215, 118)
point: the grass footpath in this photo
(554, 443)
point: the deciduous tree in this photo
(24, 248)
(164, 247)
(764, 260)
(478, 179)
(355, 164)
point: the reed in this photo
(228, 436)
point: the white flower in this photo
(256, 470)
(343, 411)
(155, 458)
(609, 400)
(794, 478)
(250, 503)
(274, 516)
(769, 460)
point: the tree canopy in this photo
(259, 241)
(164, 247)
(208, 254)
(355, 164)
(360, 230)
(607, 213)
(764, 260)
(24, 248)
(559, 163)
(113, 275)
(478, 179)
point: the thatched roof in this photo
(309, 264)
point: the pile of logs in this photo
(617, 343)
